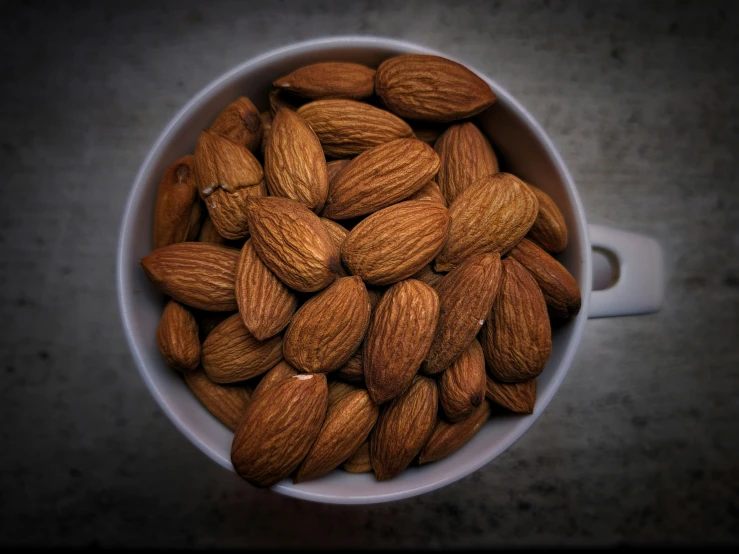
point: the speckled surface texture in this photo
(640, 445)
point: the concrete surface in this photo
(639, 446)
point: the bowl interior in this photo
(523, 149)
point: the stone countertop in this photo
(639, 445)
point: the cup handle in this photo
(639, 287)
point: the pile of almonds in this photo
(369, 312)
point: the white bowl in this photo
(519, 141)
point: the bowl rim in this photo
(137, 193)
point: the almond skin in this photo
(447, 438)
(334, 168)
(294, 163)
(431, 192)
(380, 177)
(517, 338)
(330, 80)
(462, 385)
(196, 274)
(396, 242)
(516, 397)
(329, 327)
(265, 304)
(347, 425)
(231, 353)
(466, 295)
(347, 128)
(278, 429)
(399, 338)
(338, 234)
(209, 233)
(403, 427)
(222, 163)
(280, 372)
(352, 371)
(561, 291)
(338, 390)
(490, 216)
(178, 210)
(431, 88)
(428, 132)
(266, 118)
(226, 402)
(466, 157)
(427, 275)
(293, 243)
(241, 122)
(227, 210)
(360, 461)
(177, 337)
(549, 229)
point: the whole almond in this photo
(293, 243)
(226, 402)
(352, 371)
(241, 123)
(490, 216)
(227, 210)
(431, 192)
(398, 338)
(329, 327)
(517, 338)
(447, 438)
(427, 275)
(338, 234)
(177, 210)
(265, 304)
(209, 233)
(360, 461)
(549, 229)
(466, 157)
(347, 128)
(380, 177)
(396, 242)
(196, 274)
(334, 168)
(280, 372)
(279, 428)
(466, 295)
(294, 164)
(347, 425)
(516, 397)
(561, 291)
(403, 427)
(431, 88)
(177, 337)
(231, 353)
(330, 80)
(222, 163)
(462, 385)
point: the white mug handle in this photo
(640, 287)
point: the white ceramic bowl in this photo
(525, 150)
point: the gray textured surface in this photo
(641, 443)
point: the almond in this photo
(209, 233)
(561, 291)
(177, 210)
(227, 210)
(403, 427)
(278, 429)
(396, 242)
(241, 123)
(447, 438)
(431, 88)
(266, 118)
(380, 177)
(549, 229)
(466, 157)
(347, 128)
(347, 425)
(196, 274)
(490, 216)
(330, 80)
(338, 390)
(329, 327)
(281, 99)
(294, 164)
(399, 338)
(516, 397)
(334, 168)
(293, 243)
(265, 304)
(231, 353)
(517, 338)
(360, 461)
(338, 234)
(222, 163)
(466, 295)
(352, 371)
(226, 402)
(427, 275)
(462, 385)
(280, 372)
(431, 192)
(177, 337)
